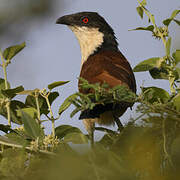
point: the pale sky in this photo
(53, 53)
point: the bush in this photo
(147, 148)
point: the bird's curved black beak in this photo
(67, 20)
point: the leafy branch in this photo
(161, 67)
(100, 94)
(8, 54)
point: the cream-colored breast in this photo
(89, 40)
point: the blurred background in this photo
(52, 52)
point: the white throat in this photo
(89, 40)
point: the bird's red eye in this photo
(85, 20)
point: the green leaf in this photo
(155, 94)
(30, 111)
(31, 127)
(176, 56)
(140, 11)
(5, 128)
(52, 97)
(76, 138)
(162, 73)
(176, 102)
(177, 21)
(28, 92)
(31, 101)
(10, 52)
(167, 21)
(67, 103)
(10, 93)
(148, 64)
(168, 46)
(159, 73)
(63, 130)
(56, 84)
(149, 28)
(14, 106)
(75, 111)
(2, 84)
(175, 13)
(3, 87)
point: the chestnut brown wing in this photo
(110, 67)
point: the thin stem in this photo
(4, 69)
(51, 116)
(162, 37)
(167, 156)
(8, 113)
(37, 105)
(146, 12)
(28, 148)
(6, 87)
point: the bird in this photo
(101, 61)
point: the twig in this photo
(51, 116)
(28, 148)
(37, 106)
(167, 156)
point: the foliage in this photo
(161, 67)
(100, 94)
(147, 148)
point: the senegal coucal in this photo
(101, 62)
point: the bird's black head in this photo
(92, 31)
(86, 19)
